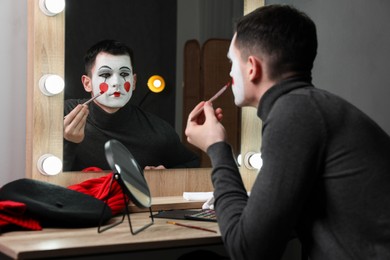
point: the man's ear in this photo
(87, 83)
(256, 68)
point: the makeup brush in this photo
(190, 226)
(216, 95)
(103, 89)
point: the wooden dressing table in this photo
(163, 240)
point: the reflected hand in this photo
(160, 167)
(74, 124)
(206, 128)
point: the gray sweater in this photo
(325, 177)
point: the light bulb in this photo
(52, 7)
(253, 160)
(156, 83)
(51, 84)
(239, 159)
(49, 164)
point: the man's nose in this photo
(116, 81)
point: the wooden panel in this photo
(174, 182)
(169, 182)
(44, 117)
(204, 75)
(192, 92)
(215, 73)
(250, 5)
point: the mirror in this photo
(46, 38)
(148, 27)
(130, 178)
(153, 29)
(157, 31)
(131, 175)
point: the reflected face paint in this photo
(113, 74)
(236, 75)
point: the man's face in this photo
(236, 73)
(114, 74)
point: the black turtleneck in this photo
(151, 140)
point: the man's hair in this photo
(285, 36)
(108, 46)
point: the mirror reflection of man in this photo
(111, 80)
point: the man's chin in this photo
(239, 103)
(110, 108)
(117, 104)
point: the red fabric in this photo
(12, 213)
(99, 188)
(92, 169)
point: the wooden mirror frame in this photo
(44, 118)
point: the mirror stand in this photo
(117, 177)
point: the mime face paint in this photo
(113, 73)
(103, 87)
(236, 75)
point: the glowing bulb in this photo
(156, 83)
(52, 7)
(239, 159)
(253, 160)
(49, 164)
(51, 84)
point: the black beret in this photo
(56, 206)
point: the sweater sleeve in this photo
(259, 227)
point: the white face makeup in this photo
(116, 71)
(236, 75)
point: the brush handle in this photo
(93, 98)
(190, 226)
(216, 95)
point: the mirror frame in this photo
(44, 117)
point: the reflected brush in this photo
(216, 95)
(103, 89)
(93, 98)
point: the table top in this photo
(55, 242)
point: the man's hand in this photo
(74, 124)
(160, 167)
(206, 128)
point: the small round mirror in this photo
(131, 176)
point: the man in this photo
(326, 167)
(111, 80)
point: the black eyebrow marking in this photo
(105, 67)
(125, 67)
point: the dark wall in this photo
(353, 52)
(147, 26)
